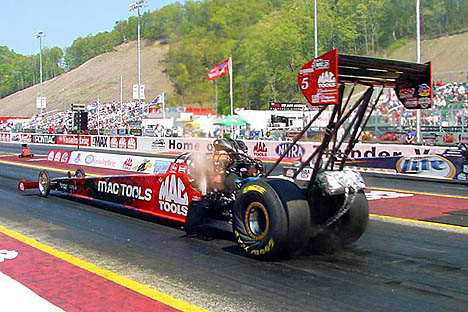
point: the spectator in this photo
(410, 136)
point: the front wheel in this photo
(44, 183)
(269, 218)
(80, 173)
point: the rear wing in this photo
(323, 81)
(320, 78)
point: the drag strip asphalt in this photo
(393, 267)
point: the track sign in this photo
(318, 79)
(135, 92)
(78, 107)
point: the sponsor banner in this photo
(269, 150)
(59, 156)
(85, 140)
(4, 137)
(121, 142)
(119, 162)
(287, 106)
(444, 166)
(44, 138)
(25, 138)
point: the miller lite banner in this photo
(318, 79)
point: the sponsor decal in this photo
(122, 143)
(160, 166)
(15, 137)
(125, 190)
(89, 159)
(77, 158)
(143, 166)
(260, 149)
(461, 176)
(253, 188)
(114, 142)
(424, 90)
(262, 251)
(127, 165)
(322, 98)
(424, 102)
(51, 155)
(306, 71)
(327, 80)
(320, 64)
(296, 151)
(132, 143)
(183, 169)
(411, 102)
(158, 145)
(406, 93)
(290, 172)
(305, 174)
(58, 156)
(430, 165)
(173, 197)
(100, 141)
(65, 157)
(44, 139)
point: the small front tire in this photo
(79, 173)
(44, 183)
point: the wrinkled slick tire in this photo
(80, 173)
(270, 218)
(44, 183)
(345, 230)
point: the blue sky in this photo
(61, 21)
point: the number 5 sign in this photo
(318, 79)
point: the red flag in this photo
(219, 70)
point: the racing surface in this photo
(393, 267)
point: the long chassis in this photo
(273, 216)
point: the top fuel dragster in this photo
(272, 216)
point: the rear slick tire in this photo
(270, 218)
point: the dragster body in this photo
(273, 216)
